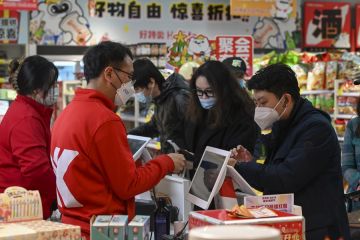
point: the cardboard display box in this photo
(39, 230)
(291, 226)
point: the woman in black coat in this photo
(220, 114)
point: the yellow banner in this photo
(282, 9)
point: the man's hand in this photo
(241, 154)
(179, 162)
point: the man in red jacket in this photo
(95, 170)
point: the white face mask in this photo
(265, 117)
(124, 93)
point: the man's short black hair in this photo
(278, 79)
(144, 69)
(98, 57)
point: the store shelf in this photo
(345, 116)
(5, 61)
(317, 92)
(349, 94)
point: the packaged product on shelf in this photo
(316, 76)
(146, 49)
(341, 101)
(329, 103)
(318, 102)
(301, 74)
(348, 86)
(351, 103)
(163, 49)
(155, 49)
(342, 68)
(340, 126)
(331, 72)
(312, 99)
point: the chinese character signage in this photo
(281, 202)
(357, 26)
(9, 26)
(236, 46)
(87, 22)
(28, 5)
(327, 24)
(282, 9)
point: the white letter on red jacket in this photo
(63, 162)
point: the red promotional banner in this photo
(327, 24)
(357, 26)
(9, 26)
(236, 46)
(28, 5)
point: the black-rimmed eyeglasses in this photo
(207, 92)
(130, 76)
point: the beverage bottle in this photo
(162, 220)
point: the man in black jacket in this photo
(303, 154)
(170, 97)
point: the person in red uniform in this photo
(95, 170)
(25, 130)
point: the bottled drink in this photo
(162, 220)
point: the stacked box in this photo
(39, 230)
(100, 227)
(139, 228)
(117, 227)
(16, 232)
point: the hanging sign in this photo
(9, 26)
(27, 5)
(236, 46)
(327, 24)
(282, 9)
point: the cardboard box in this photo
(16, 232)
(40, 230)
(139, 228)
(17, 204)
(100, 227)
(291, 226)
(118, 227)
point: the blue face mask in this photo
(208, 102)
(242, 83)
(142, 98)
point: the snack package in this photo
(331, 73)
(312, 99)
(328, 103)
(316, 76)
(154, 49)
(341, 101)
(340, 126)
(301, 74)
(342, 69)
(243, 212)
